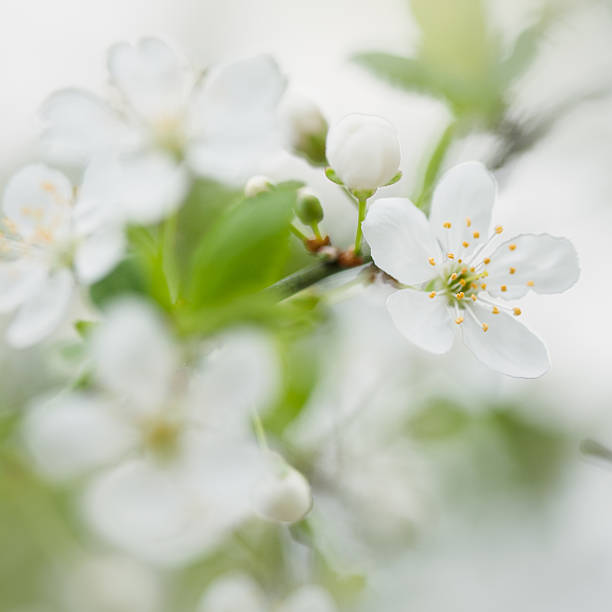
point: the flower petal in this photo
(37, 200)
(234, 592)
(74, 433)
(98, 254)
(507, 346)
(543, 263)
(309, 598)
(19, 280)
(400, 240)
(42, 312)
(464, 197)
(424, 321)
(152, 78)
(134, 356)
(79, 125)
(150, 187)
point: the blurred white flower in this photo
(173, 444)
(240, 593)
(50, 241)
(283, 494)
(218, 123)
(257, 184)
(363, 151)
(449, 262)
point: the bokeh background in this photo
(500, 503)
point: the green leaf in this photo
(244, 251)
(126, 278)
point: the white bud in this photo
(304, 126)
(233, 593)
(309, 599)
(283, 495)
(364, 151)
(257, 184)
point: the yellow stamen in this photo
(474, 285)
(476, 235)
(463, 270)
(483, 286)
(462, 282)
(516, 311)
(447, 225)
(459, 320)
(468, 221)
(460, 261)
(495, 310)
(474, 298)
(460, 295)
(453, 276)
(48, 186)
(512, 270)
(465, 244)
(504, 288)
(450, 255)
(472, 269)
(530, 283)
(512, 247)
(484, 274)
(432, 294)
(432, 261)
(486, 261)
(499, 229)
(485, 327)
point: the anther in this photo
(476, 235)
(495, 310)
(460, 261)
(530, 283)
(465, 244)
(450, 255)
(453, 276)
(474, 298)
(447, 225)
(463, 270)
(432, 261)
(512, 247)
(460, 295)
(499, 229)
(512, 270)
(516, 311)
(485, 327)
(459, 320)
(462, 282)
(483, 286)
(432, 294)
(468, 221)
(486, 261)
(472, 269)
(504, 288)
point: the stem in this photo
(296, 232)
(360, 217)
(260, 432)
(316, 230)
(303, 279)
(433, 167)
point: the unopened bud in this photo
(308, 207)
(283, 495)
(364, 152)
(257, 184)
(305, 128)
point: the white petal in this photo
(150, 187)
(241, 373)
(507, 346)
(74, 433)
(19, 280)
(233, 119)
(80, 125)
(38, 199)
(98, 254)
(465, 192)
(400, 240)
(43, 312)
(134, 356)
(309, 598)
(152, 78)
(423, 320)
(233, 593)
(549, 262)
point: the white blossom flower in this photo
(219, 124)
(363, 151)
(455, 278)
(238, 592)
(174, 457)
(50, 240)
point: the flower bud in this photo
(257, 184)
(308, 207)
(283, 495)
(363, 151)
(305, 128)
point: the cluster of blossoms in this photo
(167, 428)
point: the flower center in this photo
(161, 437)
